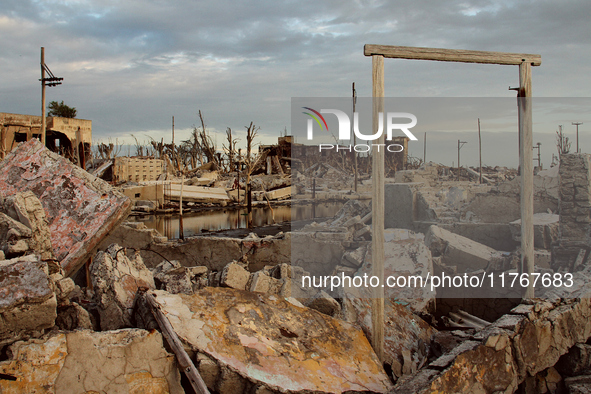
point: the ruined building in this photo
(67, 136)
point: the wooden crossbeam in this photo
(452, 55)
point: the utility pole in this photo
(479, 151)
(577, 124)
(354, 138)
(539, 159)
(43, 95)
(173, 149)
(425, 149)
(52, 80)
(460, 144)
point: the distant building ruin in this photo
(70, 137)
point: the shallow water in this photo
(229, 219)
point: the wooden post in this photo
(527, 174)
(377, 217)
(43, 96)
(480, 151)
(354, 138)
(249, 204)
(459, 166)
(425, 149)
(173, 149)
(181, 229)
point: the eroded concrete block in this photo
(546, 228)
(268, 341)
(501, 358)
(263, 283)
(80, 208)
(174, 278)
(455, 250)
(406, 336)
(115, 281)
(27, 301)
(72, 317)
(122, 361)
(26, 208)
(324, 303)
(234, 275)
(406, 259)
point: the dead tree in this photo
(562, 143)
(141, 149)
(200, 148)
(251, 132)
(230, 149)
(109, 150)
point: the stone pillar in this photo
(574, 209)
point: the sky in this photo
(130, 66)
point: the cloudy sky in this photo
(129, 66)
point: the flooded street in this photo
(230, 219)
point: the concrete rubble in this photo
(122, 361)
(116, 278)
(27, 300)
(64, 189)
(263, 342)
(75, 280)
(459, 252)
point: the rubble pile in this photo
(88, 304)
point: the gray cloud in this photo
(129, 66)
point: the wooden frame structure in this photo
(525, 62)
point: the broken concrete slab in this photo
(115, 280)
(123, 361)
(350, 210)
(80, 208)
(494, 235)
(215, 252)
(73, 317)
(271, 343)
(407, 259)
(406, 336)
(279, 194)
(576, 362)
(26, 208)
(318, 256)
(546, 229)
(324, 303)
(506, 357)
(263, 283)
(27, 301)
(234, 275)
(172, 277)
(196, 194)
(455, 250)
(15, 237)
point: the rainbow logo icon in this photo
(316, 117)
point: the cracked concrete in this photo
(122, 361)
(265, 340)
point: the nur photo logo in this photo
(392, 120)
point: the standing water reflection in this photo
(228, 219)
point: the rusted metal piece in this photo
(80, 208)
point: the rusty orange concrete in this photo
(269, 341)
